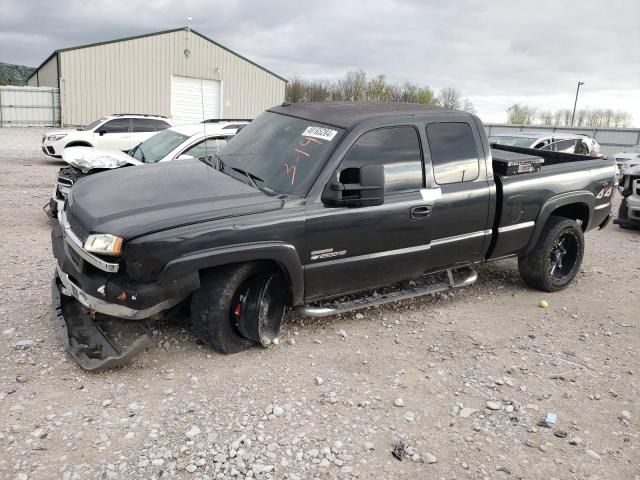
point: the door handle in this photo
(422, 211)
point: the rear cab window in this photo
(454, 153)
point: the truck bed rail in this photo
(550, 158)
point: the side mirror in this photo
(184, 156)
(357, 187)
(102, 131)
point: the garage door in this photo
(194, 99)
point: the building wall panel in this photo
(134, 76)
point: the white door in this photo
(194, 99)
(113, 135)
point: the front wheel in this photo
(238, 306)
(556, 258)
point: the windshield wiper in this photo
(252, 178)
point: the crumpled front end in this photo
(89, 158)
(83, 332)
(93, 297)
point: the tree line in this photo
(355, 86)
(518, 114)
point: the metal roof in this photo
(347, 114)
(136, 37)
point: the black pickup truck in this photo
(308, 207)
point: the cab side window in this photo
(397, 148)
(454, 155)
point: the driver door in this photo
(355, 248)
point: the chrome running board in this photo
(333, 307)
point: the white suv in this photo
(115, 132)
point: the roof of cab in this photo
(348, 114)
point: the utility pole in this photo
(573, 115)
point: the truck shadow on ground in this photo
(175, 333)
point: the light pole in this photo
(573, 115)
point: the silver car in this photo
(554, 141)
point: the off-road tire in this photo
(211, 307)
(535, 267)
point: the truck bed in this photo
(521, 198)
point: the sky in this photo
(497, 52)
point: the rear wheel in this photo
(238, 306)
(556, 258)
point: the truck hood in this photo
(131, 202)
(89, 158)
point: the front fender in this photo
(285, 255)
(581, 197)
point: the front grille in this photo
(77, 227)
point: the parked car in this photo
(552, 141)
(629, 210)
(174, 143)
(629, 153)
(114, 132)
(309, 206)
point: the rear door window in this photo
(161, 125)
(398, 149)
(454, 154)
(143, 125)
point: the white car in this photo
(553, 141)
(115, 132)
(176, 143)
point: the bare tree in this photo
(352, 87)
(295, 90)
(546, 117)
(377, 89)
(426, 96)
(467, 105)
(450, 98)
(520, 114)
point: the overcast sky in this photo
(498, 52)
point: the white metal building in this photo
(179, 73)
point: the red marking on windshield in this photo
(299, 151)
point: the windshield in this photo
(524, 142)
(92, 125)
(635, 149)
(281, 153)
(158, 146)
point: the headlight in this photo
(104, 244)
(55, 138)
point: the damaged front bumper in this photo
(89, 301)
(84, 338)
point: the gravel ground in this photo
(463, 378)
